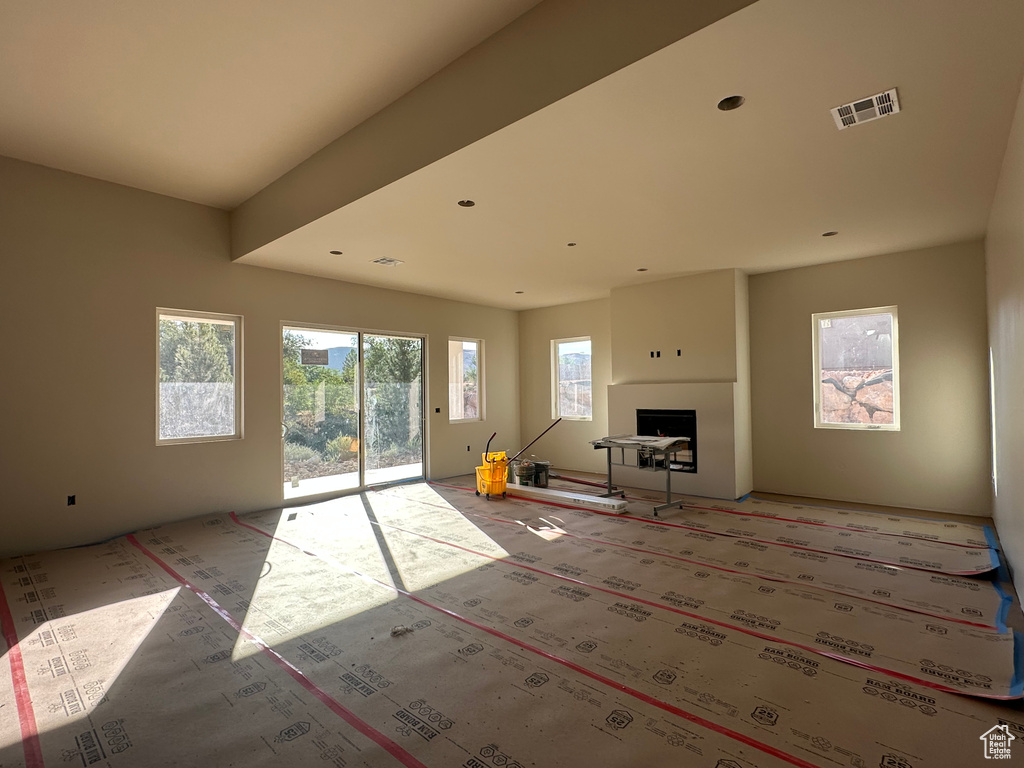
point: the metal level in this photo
(567, 497)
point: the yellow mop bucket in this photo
(492, 476)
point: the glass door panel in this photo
(320, 419)
(393, 403)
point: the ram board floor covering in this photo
(423, 625)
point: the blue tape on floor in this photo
(994, 557)
(1003, 572)
(1004, 607)
(1017, 683)
(990, 537)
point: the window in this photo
(465, 359)
(570, 380)
(199, 394)
(856, 369)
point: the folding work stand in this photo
(648, 448)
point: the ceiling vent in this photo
(867, 109)
(387, 261)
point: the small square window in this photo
(856, 369)
(571, 395)
(199, 395)
(465, 380)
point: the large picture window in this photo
(465, 366)
(571, 379)
(856, 369)
(199, 395)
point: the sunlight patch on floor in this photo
(107, 637)
(309, 579)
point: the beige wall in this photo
(695, 314)
(742, 429)
(85, 263)
(939, 460)
(1004, 250)
(568, 444)
(703, 315)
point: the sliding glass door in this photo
(352, 411)
(393, 412)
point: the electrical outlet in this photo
(437, 410)
(679, 353)
(71, 500)
(467, 448)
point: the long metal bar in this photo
(538, 437)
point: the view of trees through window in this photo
(856, 369)
(322, 402)
(573, 388)
(463, 380)
(197, 392)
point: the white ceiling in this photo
(211, 100)
(639, 169)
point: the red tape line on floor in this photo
(22, 696)
(656, 521)
(646, 698)
(698, 617)
(641, 550)
(397, 751)
(922, 537)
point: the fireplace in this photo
(670, 423)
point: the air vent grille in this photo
(867, 109)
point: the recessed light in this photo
(466, 203)
(335, 253)
(520, 291)
(730, 103)
(641, 269)
(570, 244)
(831, 233)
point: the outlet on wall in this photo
(71, 500)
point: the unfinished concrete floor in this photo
(425, 626)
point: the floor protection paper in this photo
(958, 598)
(137, 671)
(873, 547)
(853, 630)
(449, 692)
(11, 755)
(828, 712)
(947, 531)
(348, 642)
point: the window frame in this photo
(816, 319)
(187, 315)
(555, 378)
(479, 380)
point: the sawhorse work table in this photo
(648, 448)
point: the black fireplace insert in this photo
(670, 423)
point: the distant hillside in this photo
(575, 358)
(336, 356)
